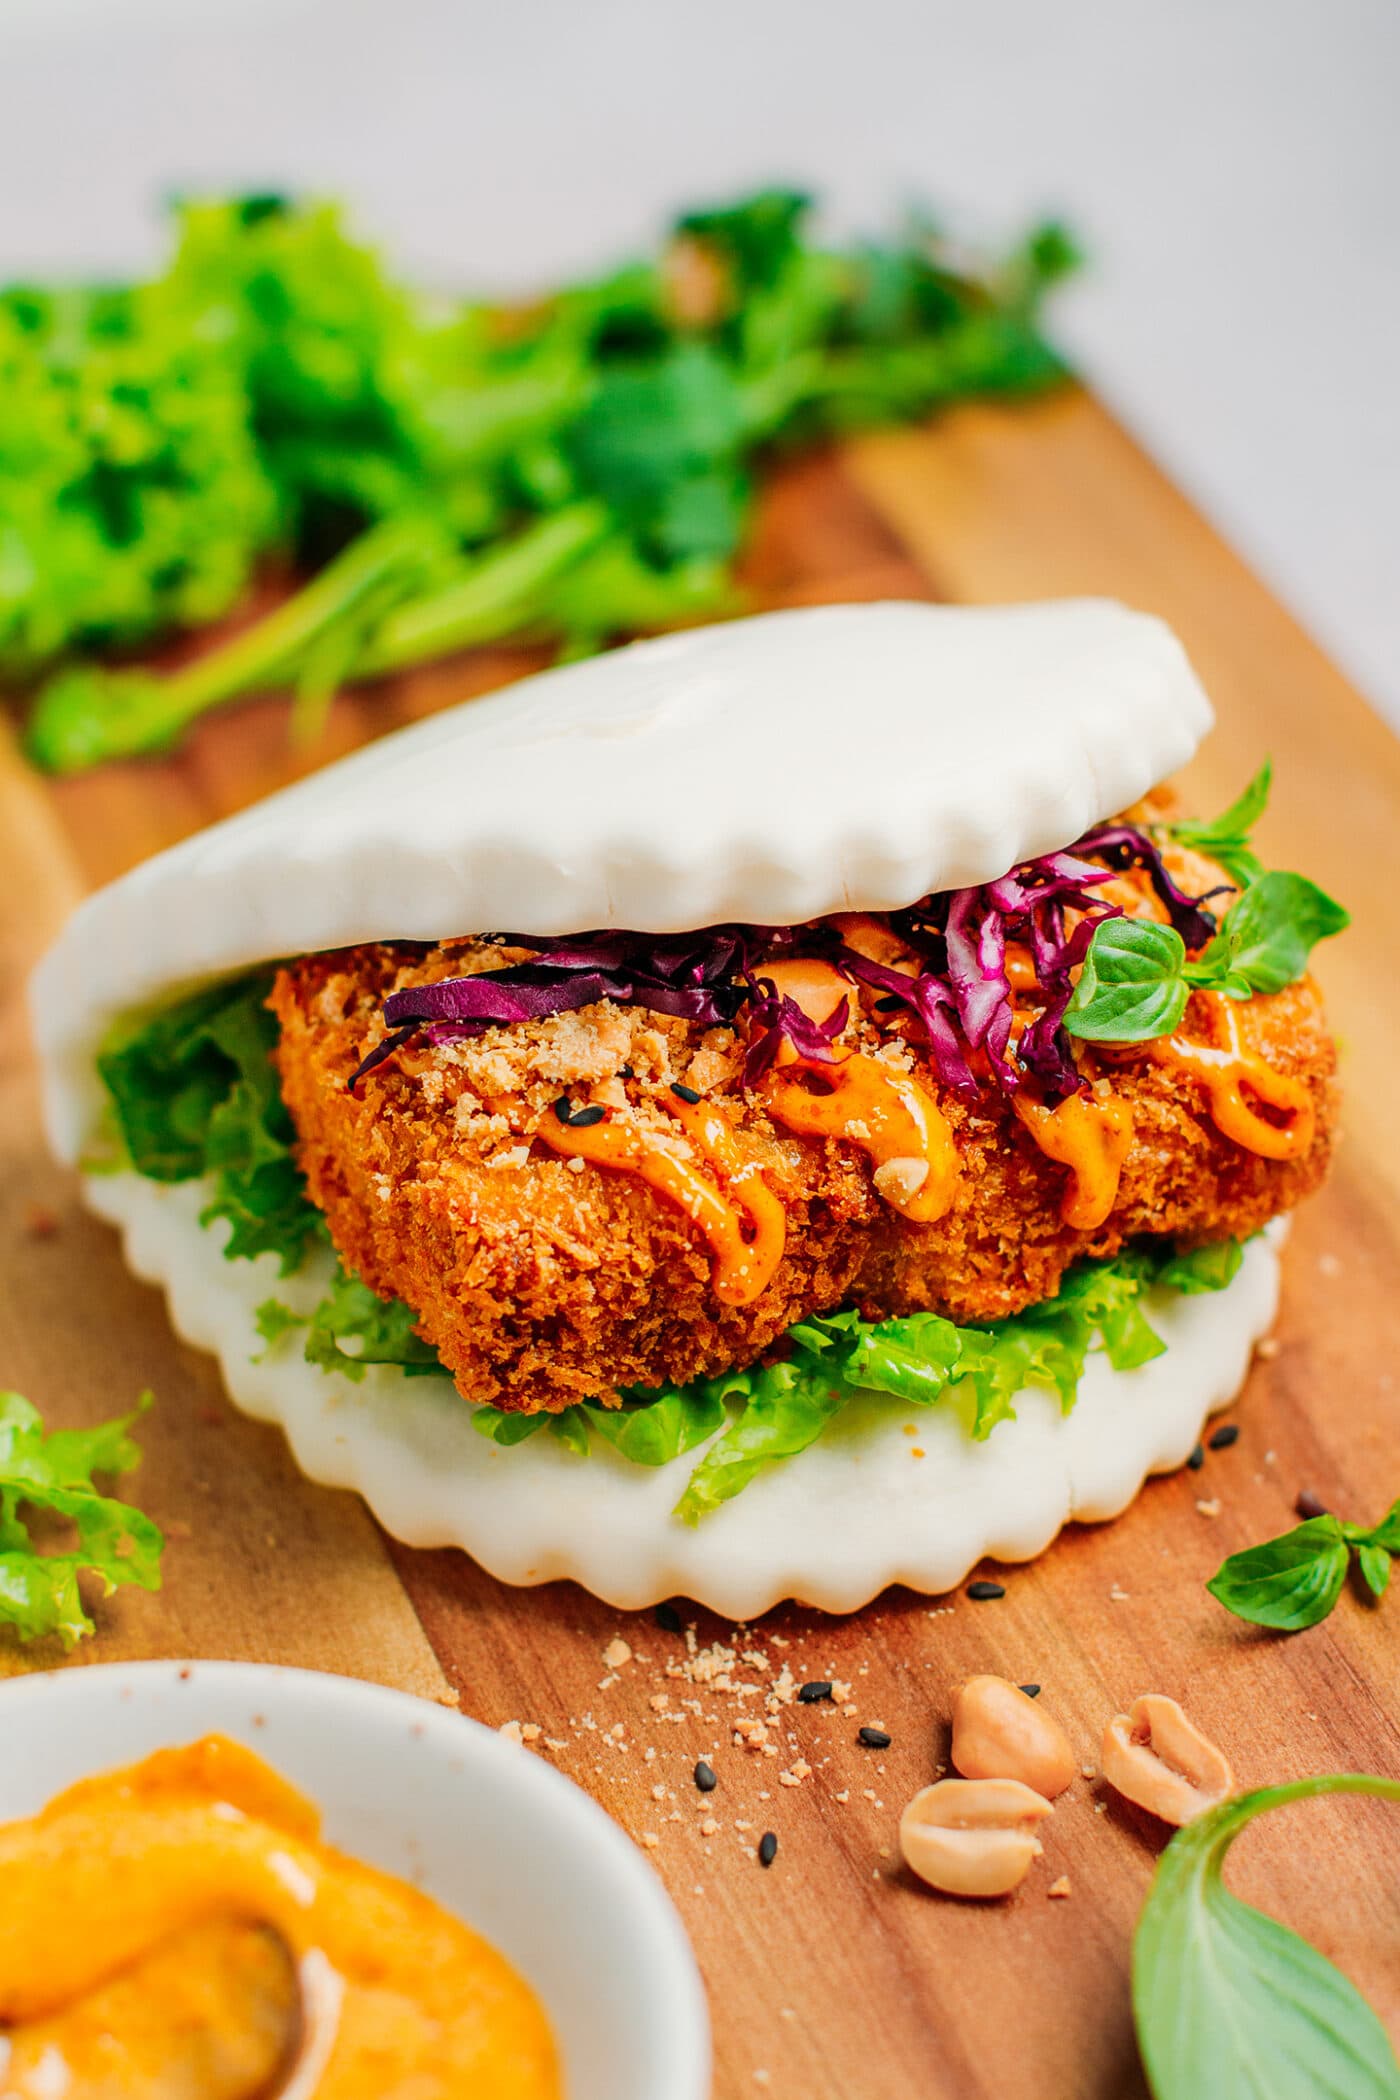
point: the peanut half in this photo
(973, 1837)
(1159, 1759)
(1000, 1733)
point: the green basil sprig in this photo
(1294, 1581)
(1137, 978)
(1226, 838)
(1231, 2004)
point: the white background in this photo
(1233, 164)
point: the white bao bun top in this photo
(770, 770)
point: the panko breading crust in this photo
(542, 1281)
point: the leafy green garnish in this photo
(1295, 1580)
(194, 1092)
(1232, 2005)
(1226, 838)
(1136, 979)
(352, 1328)
(773, 1411)
(449, 473)
(52, 1475)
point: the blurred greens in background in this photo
(445, 473)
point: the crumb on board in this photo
(1060, 1887)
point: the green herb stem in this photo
(87, 715)
(490, 598)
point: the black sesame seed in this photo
(1310, 1505)
(768, 1848)
(1227, 1434)
(705, 1777)
(1032, 1691)
(564, 1108)
(874, 1738)
(668, 1619)
(819, 1688)
(887, 1006)
(985, 1592)
(686, 1093)
(625, 1072)
(585, 1118)
(1196, 1457)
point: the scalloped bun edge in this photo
(867, 1506)
(771, 770)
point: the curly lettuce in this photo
(193, 1092)
(51, 1477)
(773, 1411)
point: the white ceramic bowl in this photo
(486, 1827)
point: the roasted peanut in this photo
(1159, 1759)
(998, 1733)
(973, 1837)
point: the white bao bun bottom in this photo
(831, 1527)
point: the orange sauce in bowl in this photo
(170, 1891)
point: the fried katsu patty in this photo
(543, 1280)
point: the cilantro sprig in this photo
(52, 1477)
(439, 474)
(1294, 1581)
(1230, 2003)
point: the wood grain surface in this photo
(832, 1975)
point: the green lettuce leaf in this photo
(353, 1327)
(773, 1411)
(194, 1092)
(53, 1476)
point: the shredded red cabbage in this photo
(1124, 846)
(960, 993)
(776, 1020)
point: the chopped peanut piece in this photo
(1158, 1758)
(1000, 1733)
(973, 1837)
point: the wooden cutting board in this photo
(832, 1975)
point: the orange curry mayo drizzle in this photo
(875, 1106)
(1229, 1072)
(1091, 1134)
(721, 1208)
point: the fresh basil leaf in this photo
(1387, 1532)
(1225, 839)
(1374, 1563)
(1132, 987)
(1231, 2005)
(1288, 1583)
(1270, 933)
